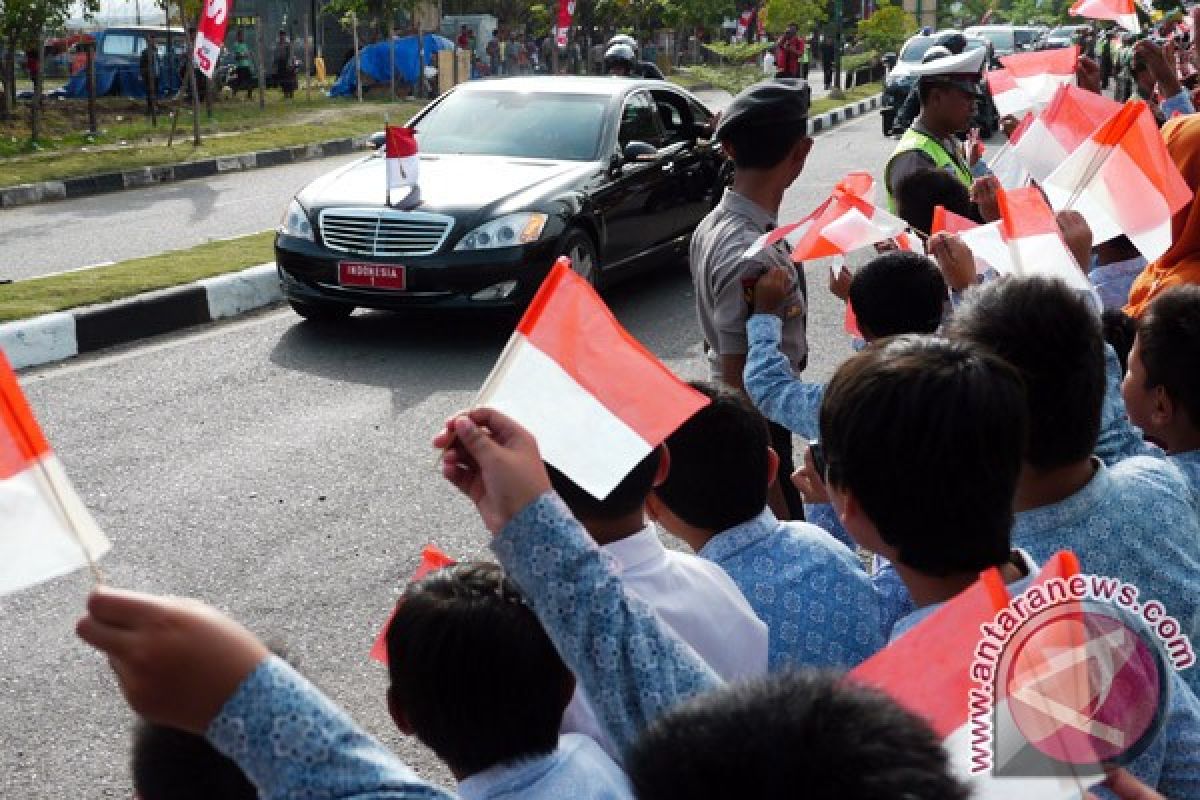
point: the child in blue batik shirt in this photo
(1162, 387)
(819, 605)
(476, 679)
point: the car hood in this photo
(452, 184)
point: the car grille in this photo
(383, 232)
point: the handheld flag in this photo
(1123, 181)
(1009, 98)
(856, 184)
(1034, 239)
(206, 49)
(432, 559)
(1122, 12)
(986, 242)
(596, 400)
(47, 532)
(1072, 116)
(403, 163)
(1040, 72)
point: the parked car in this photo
(514, 173)
(1006, 39)
(1063, 36)
(900, 81)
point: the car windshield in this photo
(916, 48)
(565, 127)
(1061, 33)
(1000, 38)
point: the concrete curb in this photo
(831, 118)
(70, 188)
(54, 337)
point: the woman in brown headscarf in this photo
(1181, 263)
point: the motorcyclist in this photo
(639, 68)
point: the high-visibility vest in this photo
(915, 140)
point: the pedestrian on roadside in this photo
(788, 52)
(285, 65)
(243, 65)
(493, 54)
(828, 58)
(806, 56)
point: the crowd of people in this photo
(985, 424)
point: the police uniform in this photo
(726, 263)
(919, 148)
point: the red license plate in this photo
(371, 276)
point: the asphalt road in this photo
(283, 472)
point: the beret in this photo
(783, 101)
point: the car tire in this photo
(578, 246)
(319, 312)
(888, 120)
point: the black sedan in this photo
(614, 173)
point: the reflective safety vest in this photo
(915, 140)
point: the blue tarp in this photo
(124, 80)
(376, 62)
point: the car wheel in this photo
(578, 247)
(888, 120)
(316, 311)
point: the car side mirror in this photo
(889, 60)
(639, 151)
(377, 140)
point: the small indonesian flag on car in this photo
(1009, 98)
(1039, 73)
(1072, 115)
(1034, 239)
(596, 400)
(403, 163)
(45, 527)
(1121, 12)
(1123, 181)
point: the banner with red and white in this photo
(1040, 72)
(210, 35)
(566, 13)
(1072, 115)
(403, 160)
(46, 527)
(1009, 98)
(1122, 12)
(1035, 240)
(596, 400)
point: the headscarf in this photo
(1181, 263)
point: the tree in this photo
(886, 29)
(807, 14)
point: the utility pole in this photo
(836, 91)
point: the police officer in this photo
(949, 89)
(947, 43)
(638, 68)
(619, 60)
(764, 133)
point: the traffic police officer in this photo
(949, 89)
(764, 133)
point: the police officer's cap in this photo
(779, 102)
(963, 71)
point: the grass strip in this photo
(29, 298)
(850, 96)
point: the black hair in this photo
(1119, 330)
(798, 734)
(1169, 345)
(918, 194)
(927, 434)
(626, 498)
(898, 292)
(718, 475)
(170, 764)
(1049, 332)
(473, 671)
(763, 145)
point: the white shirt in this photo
(696, 600)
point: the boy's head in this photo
(798, 734)
(473, 675)
(627, 498)
(721, 465)
(170, 764)
(1162, 386)
(920, 193)
(922, 439)
(1050, 333)
(898, 292)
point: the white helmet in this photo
(619, 53)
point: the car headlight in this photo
(295, 222)
(507, 231)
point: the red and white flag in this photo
(986, 242)
(945, 690)
(1072, 115)
(210, 35)
(857, 184)
(1006, 165)
(1034, 238)
(45, 525)
(1122, 12)
(1040, 72)
(1123, 181)
(403, 162)
(432, 559)
(1009, 98)
(596, 400)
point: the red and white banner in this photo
(986, 242)
(596, 400)
(1123, 181)
(1072, 115)
(1009, 98)
(1122, 12)
(45, 525)
(566, 12)
(1040, 72)
(1034, 239)
(210, 36)
(403, 161)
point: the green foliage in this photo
(731, 79)
(858, 60)
(886, 29)
(539, 17)
(777, 14)
(740, 53)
